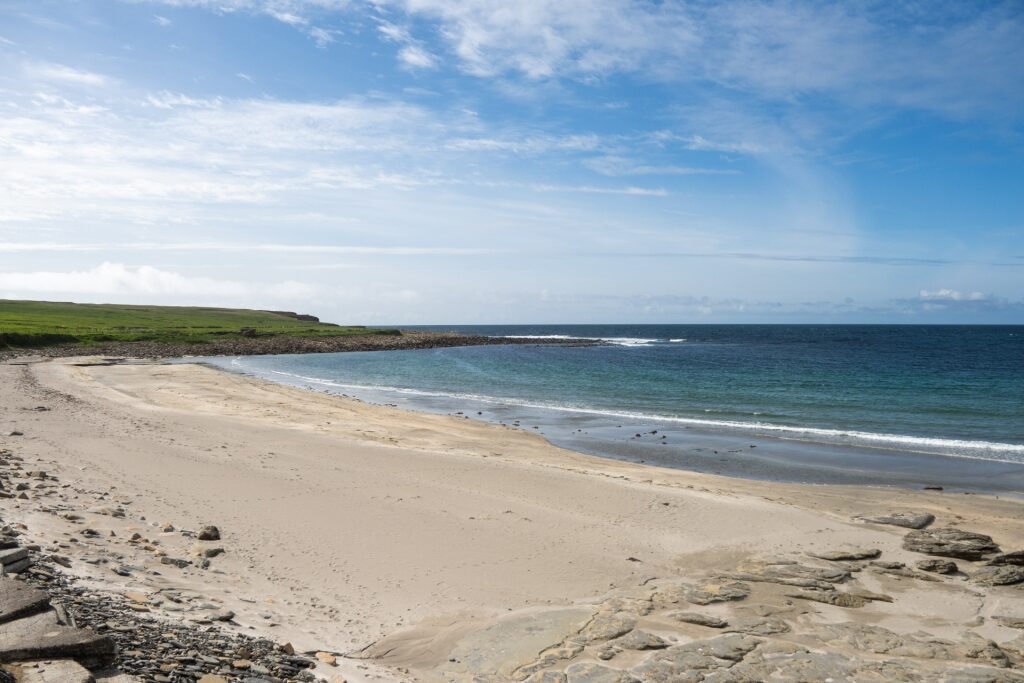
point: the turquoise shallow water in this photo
(953, 393)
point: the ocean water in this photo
(880, 404)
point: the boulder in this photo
(209, 533)
(950, 542)
(41, 636)
(18, 600)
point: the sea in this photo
(900, 405)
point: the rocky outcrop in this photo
(279, 344)
(950, 542)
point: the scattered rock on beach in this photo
(708, 593)
(759, 626)
(209, 533)
(950, 542)
(1011, 622)
(699, 619)
(937, 566)
(606, 626)
(1016, 559)
(904, 518)
(999, 575)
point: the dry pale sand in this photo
(375, 531)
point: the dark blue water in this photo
(949, 392)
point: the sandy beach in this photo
(437, 548)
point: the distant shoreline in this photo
(278, 344)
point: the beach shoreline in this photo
(412, 539)
(791, 455)
(276, 345)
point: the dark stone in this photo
(937, 566)
(950, 542)
(1016, 559)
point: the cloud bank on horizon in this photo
(474, 161)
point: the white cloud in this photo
(115, 279)
(162, 21)
(951, 295)
(416, 57)
(222, 247)
(956, 61)
(59, 73)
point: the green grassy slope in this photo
(44, 323)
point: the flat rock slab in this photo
(510, 643)
(699, 619)
(12, 555)
(586, 672)
(695, 660)
(639, 640)
(40, 636)
(850, 554)
(19, 600)
(950, 542)
(52, 671)
(708, 593)
(907, 519)
(759, 626)
(830, 598)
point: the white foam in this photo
(617, 341)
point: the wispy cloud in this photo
(59, 73)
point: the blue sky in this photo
(477, 161)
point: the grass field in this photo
(45, 323)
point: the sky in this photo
(536, 161)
